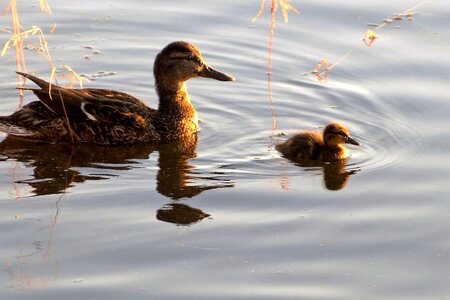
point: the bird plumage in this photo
(312, 145)
(108, 117)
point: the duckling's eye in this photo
(342, 133)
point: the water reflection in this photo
(180, 214)
(53, 165)
(335, 176)
(54, 168)
(176, 176)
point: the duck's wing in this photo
(110, 94)
(99, 105)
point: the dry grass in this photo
(33, 39)
(368, 39)
(286, 7)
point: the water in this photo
(226, 217)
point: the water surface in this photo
(224, 216)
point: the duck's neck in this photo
(175, 102)
(176, 113)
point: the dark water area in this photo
(223, 215)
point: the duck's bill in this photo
(352, 141)
(210, 72)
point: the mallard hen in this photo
(108, 117)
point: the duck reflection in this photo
(335, 176)
(180, 214)
(176, 177)
(54, 168)
(53, 165)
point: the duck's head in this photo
(180, 61)
(335, 134)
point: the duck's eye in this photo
(193, 58)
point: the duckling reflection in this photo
(335, 176)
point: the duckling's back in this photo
(305, 145)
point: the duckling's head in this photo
(335, 134)
(180, 61)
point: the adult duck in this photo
(108, 117)
(313, 145)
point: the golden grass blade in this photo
(52, 76)
(18, 38)
(261, 11)
(6, 47)
(55, 25)
(269, 64)
(45, 7)
(287, 7)
(76, 75)
(369, 38)
(322, 75)
(7, 9)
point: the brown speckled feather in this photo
(94, 116)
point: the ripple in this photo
(389, 140)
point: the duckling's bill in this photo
(352, 141)
(210, 72)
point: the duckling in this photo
(108, 117)
(315, 146)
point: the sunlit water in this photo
(227, 217)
